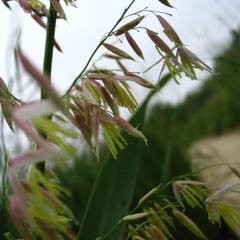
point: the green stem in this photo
(49, 45)
(48, 56)
(98, 46)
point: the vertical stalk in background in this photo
(48, 55)
(49, 45)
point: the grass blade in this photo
(114, 187)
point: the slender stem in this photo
(48, 56)
(98, 46)
(49, 45)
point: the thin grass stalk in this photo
(48, 56)
(49, 45)
(98, 46)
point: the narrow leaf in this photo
(57, 46)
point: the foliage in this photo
(210, 110)
(89, 107)
(170, 134)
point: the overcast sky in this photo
(204, 25)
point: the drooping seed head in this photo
(117, 51)
(169, 31)
(129, 25)
(160, 43)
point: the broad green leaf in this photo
(231, 61)
(112, 193)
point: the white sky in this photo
(202, 24)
